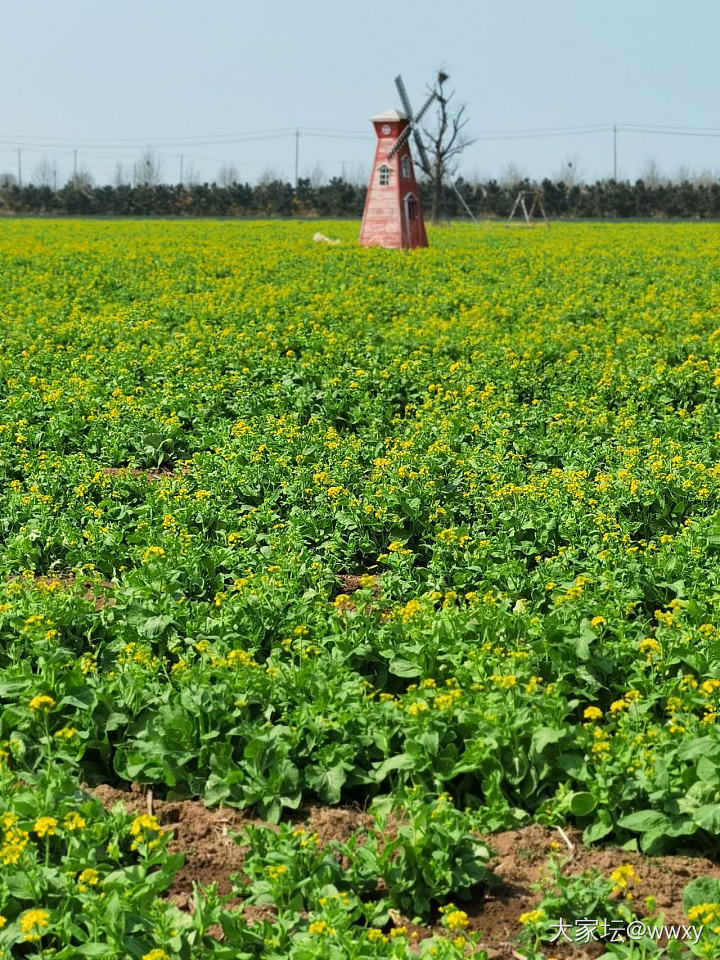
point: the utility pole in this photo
(19, 167)
(615, 152)
(74, 164)
(297, 154)
(182, 158)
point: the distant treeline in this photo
(339, 198)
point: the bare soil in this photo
(150, 473)
(211, 855)
(351, 582)
(66, 581)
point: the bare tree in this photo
(705, 178)
(651, 174)
(81, 180)
(512, 177)
(268, 176)
(227, 175)
(191, 177)
(317, 176)
(148, 171)
(444, 140)
(357, 174)
(45, 174)
(122, 177)
(570, 172)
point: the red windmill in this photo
(393, 215)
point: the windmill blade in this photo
(399, 142)
(405, 100)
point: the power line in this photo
(142, 141)
(228, 139)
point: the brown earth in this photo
(211, 855)
(66, 581)
(351, 582)
(150, 473)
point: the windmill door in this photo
(411, 219)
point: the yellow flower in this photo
(533, 916)
(33, 923)
(707, 912)
(504, 681)
(622, 875)
(88, 878)
(320, 926)
(145, 821)
(13, 845)
(66, 733)
(592, 713)
(153, 552)
(457, 920)
(156, 954)
(45, 825)
(415, 708)
(73, 821)
(142, 825)
(41, 702)
(375, 934)
(597, 621)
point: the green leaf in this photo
(95, 950)
(701, 890)
(81, 697)
(582, 803)
(154, 626)
(596, 831)
(327, 783)
(401, 761)
(708, 817)
(707, 770)
(404, 668)
(544, 736)
(645, 820)
(698, 747)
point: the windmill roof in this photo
(389, 115)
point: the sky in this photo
(91, 85)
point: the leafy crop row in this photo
(284, 524)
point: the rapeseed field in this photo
(433, 532)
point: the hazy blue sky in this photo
(126, 74)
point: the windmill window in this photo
(384, 175)
(405, 166)
(412, 208)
